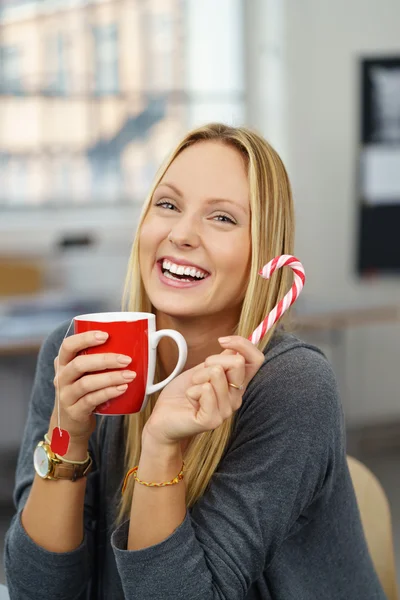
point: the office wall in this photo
(310, 49)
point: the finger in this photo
(233, 364)
(253, 356)
(86, 405)
(214, 374)
(229, 399)
(225, 400)
(227, 361)
(231, 353)
(92, 383)
(198, 368)
(203, 375)
(228, 352)
(88, 363)
(193, 395)
(78, 342)
(208, 414)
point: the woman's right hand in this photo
(79, 391)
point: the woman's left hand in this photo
(200, 399)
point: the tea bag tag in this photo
(60, 441)
(60, 437)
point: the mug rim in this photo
(115, 316)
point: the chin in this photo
(177, 312)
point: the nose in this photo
(185, 234)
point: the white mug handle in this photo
(155, 337)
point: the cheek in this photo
(234, 257)
(146, 228)
(149, 237)
(146, 248)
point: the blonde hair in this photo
(272, 234)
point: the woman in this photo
(266, 508)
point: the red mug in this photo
(133, 334)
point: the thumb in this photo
(229, 352)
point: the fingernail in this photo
(101, 335)
(128, 374)
(224, 340)
(123, 387)
(124, 360)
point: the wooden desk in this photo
(332, 323)
(25, 323)
(345, 319)
(335, 324)
(28, 346)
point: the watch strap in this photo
(71, 471)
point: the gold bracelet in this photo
(69, 462)
(133, 471)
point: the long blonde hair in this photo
(272, 234)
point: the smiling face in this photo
(199, 219)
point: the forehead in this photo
(210, 169)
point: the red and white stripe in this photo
(299, 279)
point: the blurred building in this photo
(90, 98)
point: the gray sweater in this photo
(278, 521)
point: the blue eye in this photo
(170, 206)
(164, 203)
(228, 219)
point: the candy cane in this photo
(299, 279)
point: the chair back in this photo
(3, 592)
(377, 524)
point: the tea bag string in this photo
(57, 384)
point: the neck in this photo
(201, 335)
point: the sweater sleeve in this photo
(31, 571)
(287, 443)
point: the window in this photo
(7, 6)
(56, 65)
(10, 70)
(106, 177)
(108, 90)
(106, 59)
(15, 182)
(160, 31)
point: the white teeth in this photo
(180, 270)
(169, 276)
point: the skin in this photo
(202, 234)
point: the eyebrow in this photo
(210, 201)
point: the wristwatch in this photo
(52, 466)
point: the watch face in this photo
(41, 461)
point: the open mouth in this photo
(182, 273)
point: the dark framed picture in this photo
(379, 167)
(381, 101)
